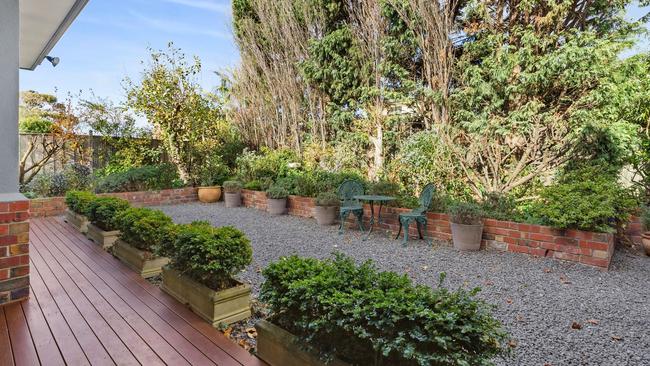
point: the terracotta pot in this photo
(645, 239)
(209, 194)
(467, 237)
(277, 206)
(232, 199)
(325, 215)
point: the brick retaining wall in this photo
(595, 249)
(54, 206)
(14, 248)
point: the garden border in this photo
(594, 249)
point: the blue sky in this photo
(110, 38)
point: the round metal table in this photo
(371, 198)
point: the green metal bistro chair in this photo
(347, 190)
(419, 214)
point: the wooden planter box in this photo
(226, 306)
(277, 347)
(138, 260)
(80, 222)
(104, 238)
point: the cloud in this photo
(218, 7)
(174, 27)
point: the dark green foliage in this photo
(367, 317)
(328, 199)
(587, 199)
(102, 211)
(142, 228)
(500, 207)
(645, 217)
(384, 188)
(232, 186)
(213, 172)
(277, 192)
(466, 213)
(208, 255)
(258, 185)
(47, 184)
(267, 164)
(78, 201)
(145, 178)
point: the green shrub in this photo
(142, 228)
(102, 211)
(277, 192)
(78, 177)
(328, 199)
(466, 213)
(213, 172)
(78, 201)
(208, 255)
(144, 178)
(384, 188)
(500, 207)
(367, 317)
(266, 163)
(47, 184)
(232, 186)
(328, 181)
(583, 200)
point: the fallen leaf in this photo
(488, 283)
(509, 301)
(244, 344)
(512, 343)
(593, 321)
(227, 332)
(547, 270)
(564, 280)
(424, 268)
(547, 364)
(251, 332)
(520, 318)
(576, 325)
(617, 338)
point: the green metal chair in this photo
(346, 192)
(419, 214)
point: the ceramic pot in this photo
(209, 194)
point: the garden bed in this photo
(538, 299)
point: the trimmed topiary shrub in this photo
(102, 212)
(366, 317)
(206, 254)
(78, 201)
(143, 228)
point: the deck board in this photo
(86, 307)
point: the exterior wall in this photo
(14, 248)
(53, 206)
(634, 230)
(594, 249)
(9, 33)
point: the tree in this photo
(169, 96)
(50, 128)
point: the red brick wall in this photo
(593, 249)
(14, 250)
(53, 206)
(634, 230)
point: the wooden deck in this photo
(87, 308)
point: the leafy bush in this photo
(232, 186)
(384, 188)
(79, 201)
(78, 177)
(500, 207)
(277, 192)
(367, 317)
(328, 181)
(258, 185)
(583, 200)
(144, 178)
(266, 163)
(466, 213)
(213, 172)
(208, 255)
(328, 199)
(142, 228)
(102, 211)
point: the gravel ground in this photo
(537, 299)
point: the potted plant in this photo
(232, 196)
(338, 310)
(141, 231)
(211, 179)
(466, 225)
(203, 262)
(77, 203)
(645, 221)
(327, 208)
(276, 202)
(102, 228)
